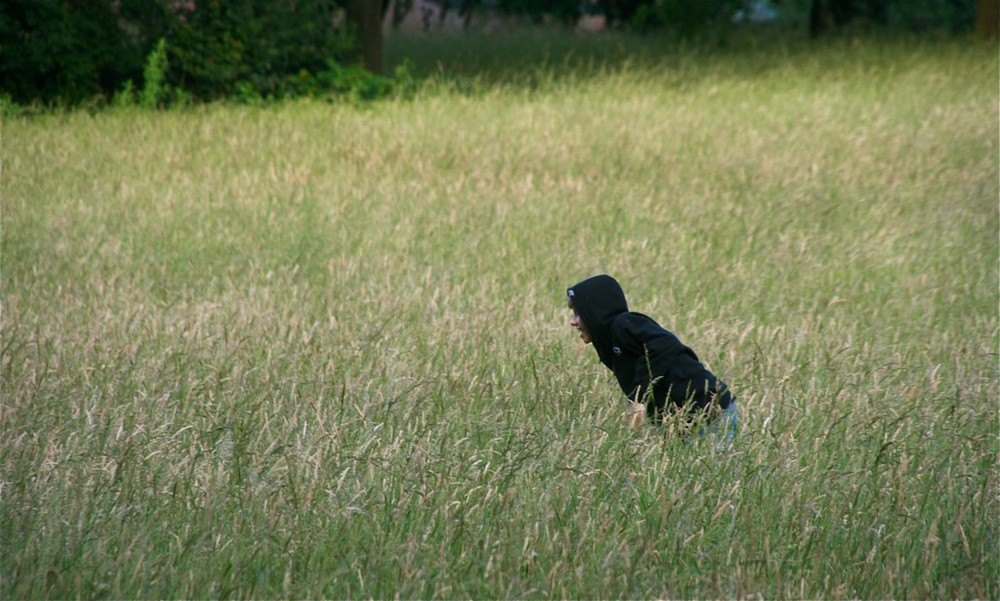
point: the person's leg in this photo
(721, 429)
(729, 421)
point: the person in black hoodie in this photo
(657, 373)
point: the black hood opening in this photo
(598, 301)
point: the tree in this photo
(63, 50)
(265, 47)
(365, 19)
(988, 18)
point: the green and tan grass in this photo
(321, 350)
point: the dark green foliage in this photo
(256, 46)
(54, 50)
(621, 11)
(563, 10)
(299, 37)
(954, 16)
(695, 19)
(67, 51)
(72, 51)
(207, 47)
(336, 80)
(686, 19)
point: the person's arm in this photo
(655, 349)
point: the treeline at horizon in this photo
(174, 52)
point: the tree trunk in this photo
(365, 18)
(988, 18)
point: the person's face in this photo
(577, 323)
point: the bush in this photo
(154, 90)
(954, 16)
(222, 48)
(60, 51)
(686, 19)
(66, 52)
(207, 47)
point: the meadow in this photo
(321, 349)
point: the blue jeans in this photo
(722, 430)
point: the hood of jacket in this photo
(598, 301)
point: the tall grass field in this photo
(321, 349)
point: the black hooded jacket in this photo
(650, 363)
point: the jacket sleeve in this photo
(659, 360)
